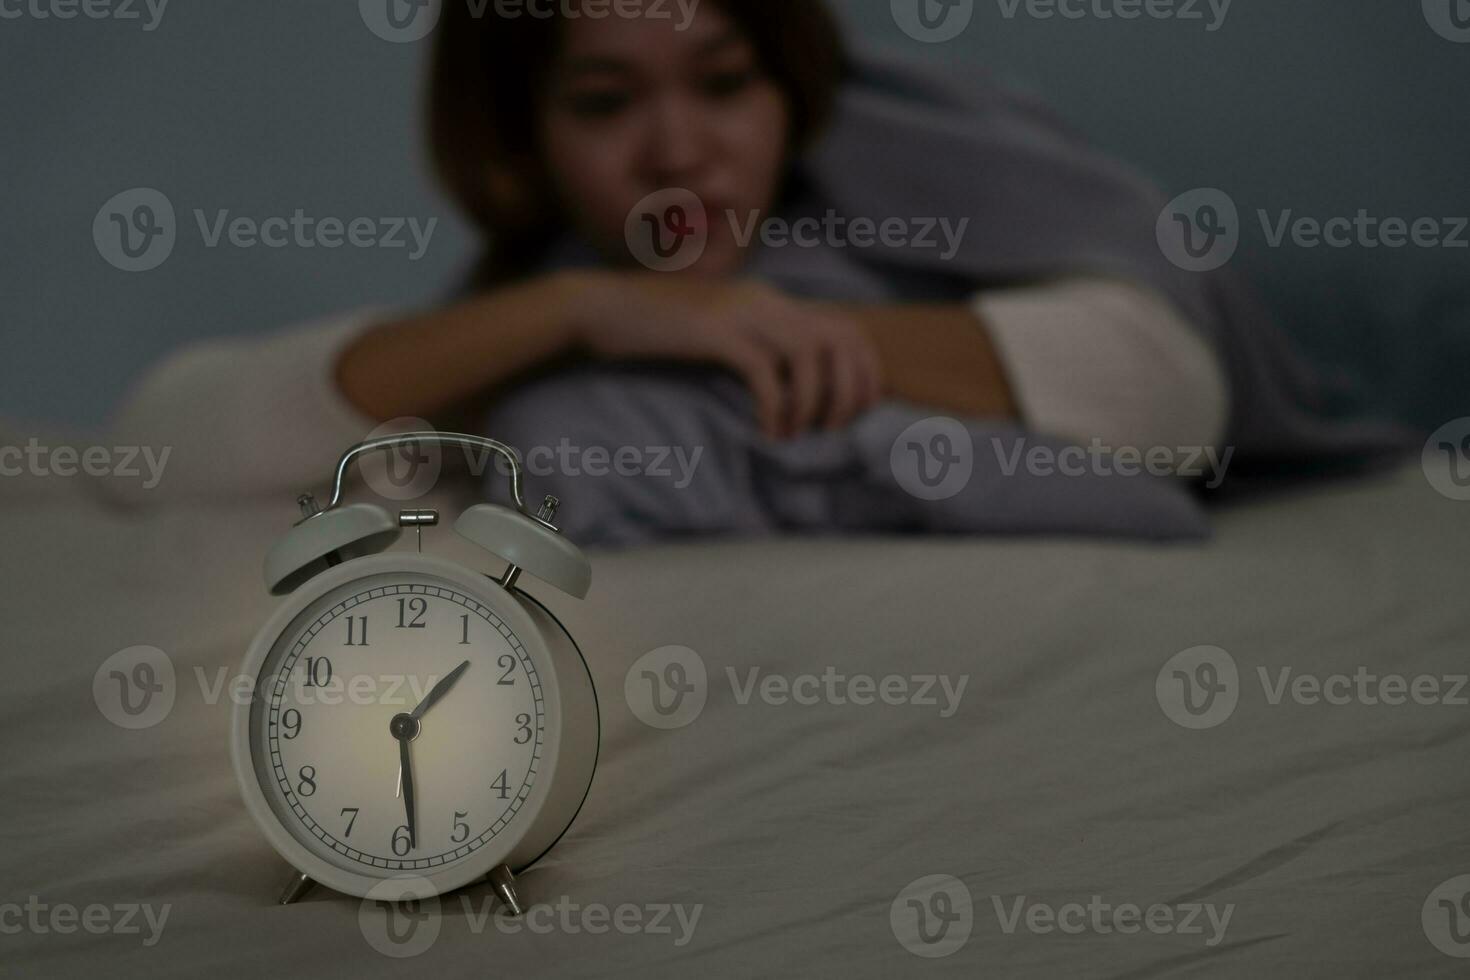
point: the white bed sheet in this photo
(795, 828)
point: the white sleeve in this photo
(1103, 359)
(243, 417)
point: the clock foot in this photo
(503, 882)
(296, 888)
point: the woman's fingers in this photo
(757, 366)
(847, 388)
(800, 356)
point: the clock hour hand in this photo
(438, 691)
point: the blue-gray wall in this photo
(262, 107)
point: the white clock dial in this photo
(394, 659)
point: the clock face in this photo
(388, 669)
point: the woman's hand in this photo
(805, 364)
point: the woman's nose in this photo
(677, 147)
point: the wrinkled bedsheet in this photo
(1027, 755)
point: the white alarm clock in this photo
(416, 725)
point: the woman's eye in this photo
(722, 85)
(597, 105)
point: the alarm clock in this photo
(415, 725)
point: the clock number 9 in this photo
(291, 720)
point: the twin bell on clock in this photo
(417, 725)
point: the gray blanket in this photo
(1042, 205)
(641, 453)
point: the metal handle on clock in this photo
(461, 440)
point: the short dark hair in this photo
(482, 109)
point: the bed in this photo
(1030, 823)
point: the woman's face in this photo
(636, 106)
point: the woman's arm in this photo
(251, 416)
(1077, 359)
(441, 363)
(939, 355)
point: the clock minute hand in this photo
(408, 808)
(438, 691)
